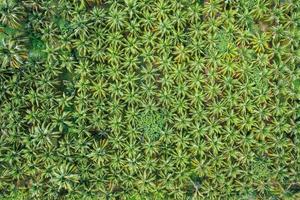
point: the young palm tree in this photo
(13, 53)
(12, 14)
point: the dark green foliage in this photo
(151, 124)
(149, 99)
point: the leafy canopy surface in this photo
(149, 99)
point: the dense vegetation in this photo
(149, 99)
